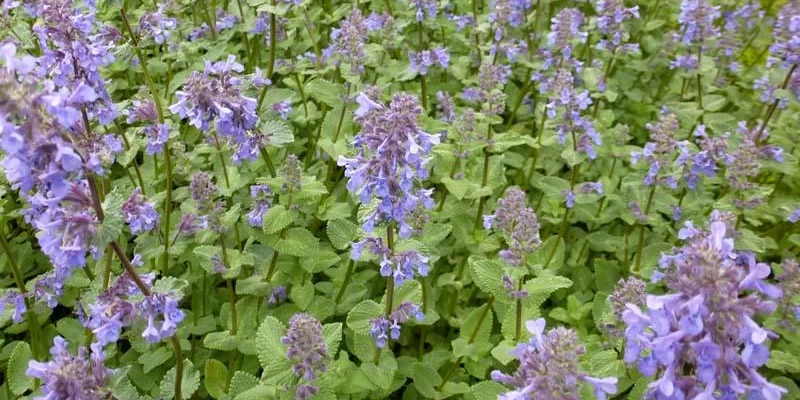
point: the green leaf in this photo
(18, 380)
(190, 383)
(784, 362)
(487, 390)
(298, 242)
(278, 132)
(276, 218)
(341, 233)
(333, 336)
(426, 379)
(220, 341)
(302, 295)
(258, 392)
(215, 378)
(111, 226)
(272, 354)
(487, 274)
(241, 382)
(325, 91)
(358, 318)
(155, 358)
(459, 188)
(383, 374)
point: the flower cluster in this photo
(702, 336)
(67, 376)
(518, 224)
(347, 42)
(156, 133)
(74, 51)
(401, 266)
(425, 7)
(697, 26)
(507, 12)
(124, 303)
(611, 14)
(423, 60)
(307, 351)
(659, 150)
(138, 213)
(215, 95)
(157, 25)
(392, 155)
(738, 26)
(384, 328)
(786, 47)
(571, 101)
(789, 283)
(549, 367)
(262, 199)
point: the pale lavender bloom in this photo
(156, 25)
(140, 215)
(794, 216)
(445, 106)
(307, 351)
(347, 42)
(382, 328)
(513, 292)
(549, 365)
(569, 198)
(785, 49)
(507, 12)
(123, 304)
(739, 25)
(789, 285)
(191, 223)
(277, 295)
(568, 101)
(611, 14)
(518, 224)
(420, 62)
(74, 52)
(592, 187)
(66, 376)
(282, 108)
(660, 149)
(16, 302)
(376, 22)
(714, 294)
(262, 196)
(401, 266)
(215, 96)
(425, 7)
(391, 157)
(225, 20)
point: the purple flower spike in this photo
(67, 376)
(307, 351)
(138, 213)
(549, 363)
(701, 336)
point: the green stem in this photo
(30, 314)
(347, 275)
(312, 34)
(268, 162)
(245, 39)
(302, 94)
(471, 340)
(774, 105)
(518, 325)
(699, 84)
(638, 262)
(485, 179)
(229, 284)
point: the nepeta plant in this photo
(279, 199)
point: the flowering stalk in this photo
(389, 283)
(485, 179)
(247, 50)
(347, 275)
(423, 86)
(33, 323)
(774, 105)
(640, 246)
(160, 114)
